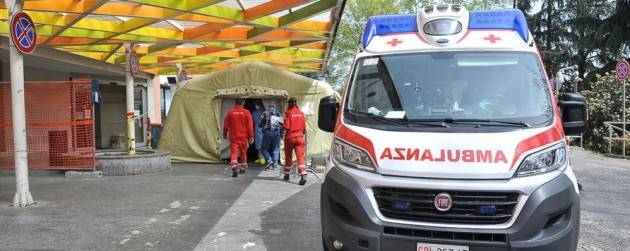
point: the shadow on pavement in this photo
(294, 224)
(167, 211)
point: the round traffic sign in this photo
(622, 69)
(23, 33)
(183, 76)
(134, 63)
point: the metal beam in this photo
(136, 23)
(228, 34)
(240, 5)
(106, 58)
(295, 16)
(336, 18)
(308, 11)
(175, 25)
(89, 6)
(271, 7)
(249, 14)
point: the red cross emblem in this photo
(394, 42)
(493, 39)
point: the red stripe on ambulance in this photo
(350, 136)
(549, 136)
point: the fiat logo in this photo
(443, 202)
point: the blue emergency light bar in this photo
(512, 19)
(390, 24)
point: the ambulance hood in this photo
(493, 155)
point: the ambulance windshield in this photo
(505, 87)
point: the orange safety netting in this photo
(59, 125)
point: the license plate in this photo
(440, 247)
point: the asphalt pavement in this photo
(605, 201)
(199, 207)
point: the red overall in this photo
(238, 128)
(294, 128)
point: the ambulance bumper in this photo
(548, 220)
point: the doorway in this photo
(250, 104)
(255, 108)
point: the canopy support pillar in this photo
(131, 130)
(22, 196)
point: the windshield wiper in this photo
(376, 117)
(402, 122)
(495, 121)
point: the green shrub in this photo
(605, 104)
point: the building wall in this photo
(35, 74)
(110, 117)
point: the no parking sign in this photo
(23, 33)
(622, 69)
(134, 63)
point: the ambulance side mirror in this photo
(327, 115)
(573, 109)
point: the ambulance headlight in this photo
(352, 156)
(547, 160)
(442, 27)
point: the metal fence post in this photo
(623, 150)
(610, 134)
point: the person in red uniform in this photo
(294, 131)
(238, 128)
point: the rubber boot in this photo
(286, 177)
(234, 173)
(302, 180)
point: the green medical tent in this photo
(193, 128)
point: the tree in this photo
(614, 36)
(584, 19)
(586, 33)
(348, 37)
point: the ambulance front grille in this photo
(469, 207)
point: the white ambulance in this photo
(449, 137)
